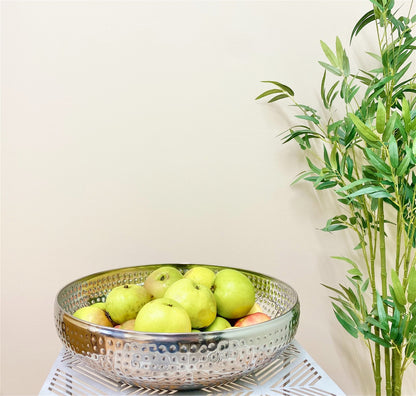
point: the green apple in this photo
(100, 305)
(163, 315)
(125, 301)
(93, 315)
(234, 293)
(218, 324)
(198, 301)
(201, 275)
(160, 279)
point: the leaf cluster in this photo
(390, 322)
(367, 158)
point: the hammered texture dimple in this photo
(175, 361)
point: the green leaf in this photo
(397, 304)
(411, 327)
(393, 152)
(340, 51)
(364, 131)
(406, 115)
(325, 185)
(380, 117)
(323, 96)
(308, 118)
(351, 296)
(331, 68)
(346, 259)
(411, 347)
(397, 287)
(374, 191)
(411, 286)
(335, 290)
(354, 184)
(395, 324)
(282, 86)
(377, 162)
(364, 21)
(313, 167)
(365, 285)
(352, 93)
(301, 176)
(401, 170)
(355, 272)
(269, 92)
(376, 339)
(389, 127)
(376, 323)
(345, 321)
(278, 97)
(329, 54)
(334, 227)
(382, 316)
(346, 65)
(332, 93)
(333, 157)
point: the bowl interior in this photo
(274, 296)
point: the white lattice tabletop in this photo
(293, 373)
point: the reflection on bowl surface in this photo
(181, 360)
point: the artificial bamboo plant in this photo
(367, 158)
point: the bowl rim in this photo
(139, 335)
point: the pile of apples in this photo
(172, 302)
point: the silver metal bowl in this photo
(175, 360)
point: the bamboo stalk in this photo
(383, 274)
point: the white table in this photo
(293, 373)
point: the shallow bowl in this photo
(176, 360)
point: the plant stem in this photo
(397, 373)
(383, 274)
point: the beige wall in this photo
(130, 135)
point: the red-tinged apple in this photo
(158, 281)
(128, 325)
(163, 315)
(197, 300)
(125, 301)
(252, 319)
(234, 293)
(93, 315)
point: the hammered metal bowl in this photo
(176, 360)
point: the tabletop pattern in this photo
(294, 373)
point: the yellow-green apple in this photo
(157, 282)
(125, 301)
(198, 301)
(255, 308)
(218, 324)
(163, 315)
(234, 293)
(93, 315)
(252, 319)
(201, 275)
(100, 305)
